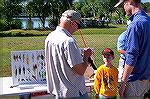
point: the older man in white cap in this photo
(136, 75)
(65, 66)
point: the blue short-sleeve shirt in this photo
(138, 46)
(121, 43)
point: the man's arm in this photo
(127, 71)
(121, 51)
(81, 68)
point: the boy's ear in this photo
(113, 57)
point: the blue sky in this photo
(145, 0)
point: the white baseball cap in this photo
(71, 14)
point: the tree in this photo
(46, 8)
(38, 8)
(92, 5)
(106, 8)
(146, 6)
(10, 9)
(86, 11)
(59, 6)
(98, 8)
(1, 7)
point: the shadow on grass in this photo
(19, 34)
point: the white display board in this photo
(28, 67)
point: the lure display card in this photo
(28, 67)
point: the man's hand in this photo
(87, 52)
(122, 89)
(126, 73)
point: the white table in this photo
(6, 83)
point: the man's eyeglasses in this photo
(79, 25)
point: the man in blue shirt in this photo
(121, 49)
(136, 75)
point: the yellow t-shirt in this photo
(106, 81)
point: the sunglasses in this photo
(78, 24)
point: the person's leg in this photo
(147, 95)
(84, 96)
(104, 97)
(25, 96)
(136, 89)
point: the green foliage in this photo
(96, 8)
(85, 10)
(16, 24)
(46, 8)
(8, 10)
(53, 22)
(11, 8)
(10, 24)
(77, 5)
(38, 8)
(146, 6)
(3, 25)
(29, 24)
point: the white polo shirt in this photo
(61, 54)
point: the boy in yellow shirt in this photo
(106, 78)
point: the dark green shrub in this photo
(6, 24)
(53, 23)
(16, 24)
(3, 25)
(9, 34)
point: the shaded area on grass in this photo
(87, 31)
(10, 34)
(24, 33)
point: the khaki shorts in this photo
(137, 88)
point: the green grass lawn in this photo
(97, 38)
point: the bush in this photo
(53, 23)
(10, 24)
(16, 24)
(3, 25)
